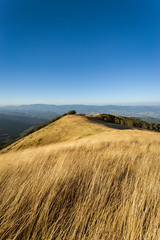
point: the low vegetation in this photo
(101, 186)
(131, 122)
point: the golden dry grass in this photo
(103, 186)
(70, 127)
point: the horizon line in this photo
(81, 104)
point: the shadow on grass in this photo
(107, 124)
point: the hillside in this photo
(85, 179)
(12, 127)
(67, 127)
(70, 127)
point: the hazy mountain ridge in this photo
(150, 119)
(47, 111)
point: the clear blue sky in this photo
(79, 51)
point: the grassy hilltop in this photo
(81, 178)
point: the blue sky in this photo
(79, 52)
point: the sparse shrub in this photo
(71, 112)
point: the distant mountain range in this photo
(45, 111)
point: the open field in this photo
(93, 182)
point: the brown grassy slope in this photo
(103, 186)
(70, 127)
